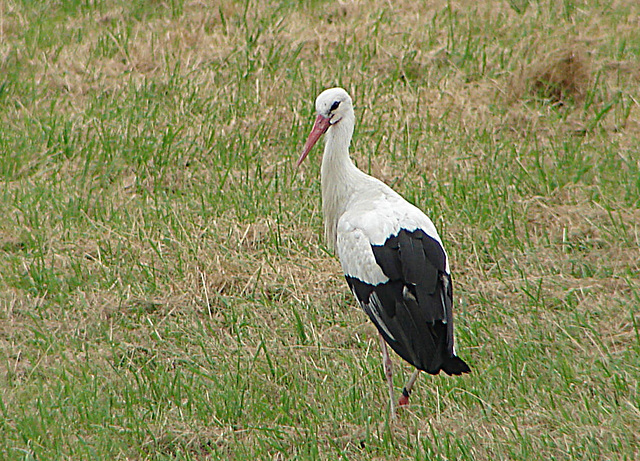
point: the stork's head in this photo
(332, 106)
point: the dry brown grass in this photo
(561, 77)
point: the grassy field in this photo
(165, 292)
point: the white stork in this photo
(390, 251)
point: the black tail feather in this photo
(455, 366)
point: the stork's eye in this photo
(334, 106)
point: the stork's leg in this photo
(388, 371)
(406, 391)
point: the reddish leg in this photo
(388, 371)
(406, 391)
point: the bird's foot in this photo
(404, 398)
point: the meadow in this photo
(165, 290)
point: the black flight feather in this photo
(413, 310)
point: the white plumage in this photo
(374, 219)
(390, 251)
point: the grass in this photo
(165, 292)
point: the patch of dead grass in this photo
(560, 77)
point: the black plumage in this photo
(413, 310)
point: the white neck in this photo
(339, 176)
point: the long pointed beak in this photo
(319, 128)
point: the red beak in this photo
(319, 128)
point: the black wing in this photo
(413, 310)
